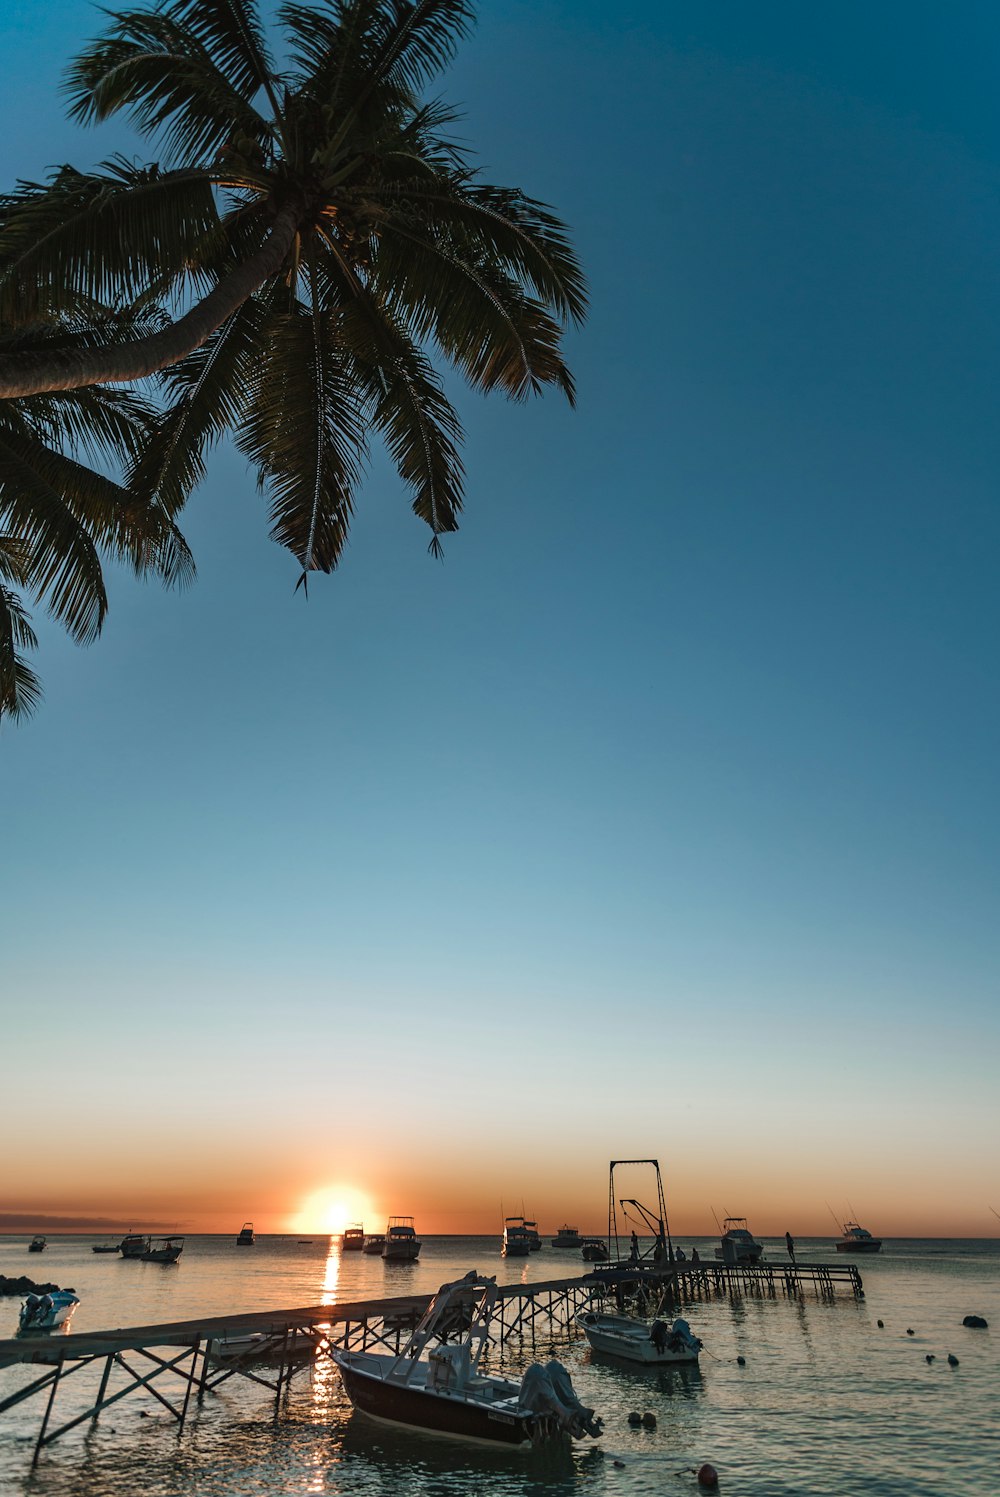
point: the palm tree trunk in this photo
(70, 369)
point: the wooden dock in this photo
(184, 1356)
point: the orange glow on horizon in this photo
(331, 1209)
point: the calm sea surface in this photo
(826, 1403)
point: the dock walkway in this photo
(201, 1353)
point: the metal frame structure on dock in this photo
(189, 1351)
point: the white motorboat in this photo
(593, 1250)
(43, 1312)
(858, 1240)
(516, 1238)
(655, 1342)
(567, 1237)
(738, 1243)
(402, 1245)
(374, 1243)
(436, 1385)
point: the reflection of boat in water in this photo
(246, 1235)
(567, 1237)
(437, 1386)
(43, 1312)
(353, 1239)
(858, 1240)
(374, 1243)
(163, 1249)
(593, 1250)
(37, 1245)
(516, 1240)
(738, 1243)
(653, 1342)
(402, 1245)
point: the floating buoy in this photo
(707, 1476)
(909, 1332)
(648, 1421)
(741, 1361)
(952, 1361)
(880, 1324)
(635, 1417)
(929, 1357)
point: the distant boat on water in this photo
(593, 1250)
(567, 1237)
(858, 1240)
(738, 1243)
(246, 1237)
(133, 1245)
(37, 1245)
(353, 1239)
(105, 1247)
(401, 1242)
(516, 1238)
(163, 1249)
(534, 1241)
(374, 1243)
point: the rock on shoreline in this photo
(23, 1285)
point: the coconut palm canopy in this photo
(321, 246)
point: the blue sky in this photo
(676, 782)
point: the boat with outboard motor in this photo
(436, 1384)
(654, 1342)
(738, 1245)
(858, 1240)
(43, 1312)
(402, 1245)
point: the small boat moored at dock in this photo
(43, 1312)
(246, 1236)
(353, 1239)
(567, 1237)
(738, 1243)
(654, 1342)
(402, 1245)
(858, 1240)
(436, 1385)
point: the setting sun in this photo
(332, 1209)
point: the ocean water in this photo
(826, 1403)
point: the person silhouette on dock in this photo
(634, 1254)
(790, 1245)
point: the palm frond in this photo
(20, 688)
(233, 37)
(100, 236)
(154, 66)
(305, 433)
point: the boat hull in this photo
(418, 1409)
(401, 1252)
(874, 1245)
(634, 1345)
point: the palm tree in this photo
(321, 242)
(59, 517)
